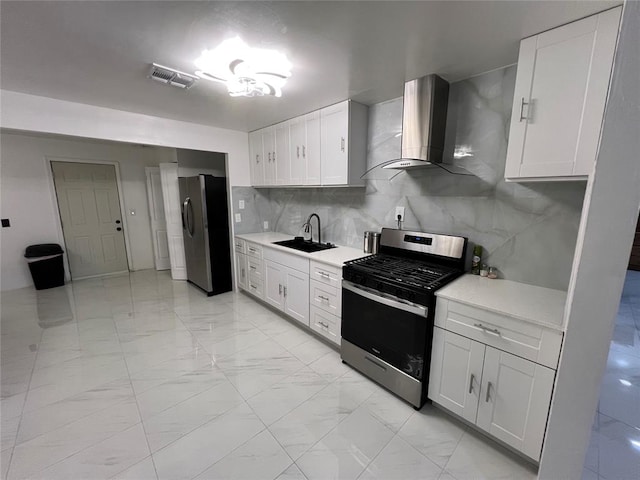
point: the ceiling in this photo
(99, 52)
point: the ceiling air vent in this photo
(170, 76)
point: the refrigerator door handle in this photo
(182, 212)
(189, 215)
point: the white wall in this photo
(195, 162)
(21, 111)
(602, 254)
(28, 199)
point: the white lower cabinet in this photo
(249, 267)
(305, 290)
(325, 324)
(504, 395)
(287, 288)
(241, 271)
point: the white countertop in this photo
(334, 256)
(542, 306)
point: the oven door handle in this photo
(394, 302)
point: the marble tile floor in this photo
(614, 449)
(140, 377)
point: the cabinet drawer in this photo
(524, 339)
(255, 269)
(254, 250)
(326, 274)
(239, 245)
(325, 324)
(255, 288)
(326, 297)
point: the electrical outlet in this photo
(241, 204)
(400, 213)
(266, 225)
(238, 218)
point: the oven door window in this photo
(396, 336)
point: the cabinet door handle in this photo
(243, 273)
(268, 156)
(285, 291)
(471, 383)
(522, 105)
(495, 331)
(488, 392)
(304, 151)
(298, 151)
(257, 158)
(342, 143)
(274, 156)
(279, 289)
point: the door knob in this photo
(118, 229)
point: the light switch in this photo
(241, 204)
(238, 218)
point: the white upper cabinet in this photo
(343, 143)
(311, 148)
(334, 144)
(560, 96)
(325, 147)
(256, 158)
(298, 163)
(282, 156)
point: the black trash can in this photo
(46, 265)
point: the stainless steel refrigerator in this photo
(205, 228)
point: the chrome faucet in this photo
(309, 229)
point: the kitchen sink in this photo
(307, 246)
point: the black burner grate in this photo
(402, 270)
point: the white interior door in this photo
(173, 217)
(91, 217)
(158, 221)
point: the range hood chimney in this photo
(424, 119)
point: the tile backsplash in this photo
(528, 230)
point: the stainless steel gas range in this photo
(388, 306)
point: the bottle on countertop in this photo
(475, 261)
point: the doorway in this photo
(91, 217)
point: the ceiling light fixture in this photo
(246, 71)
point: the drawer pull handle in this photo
(495, 331)
(488, 392)
(325, 325)
(522, 105)
(253, 286)
(324, 274)
(252, 267)
(321, 297)
(471, 383)
(253, 250)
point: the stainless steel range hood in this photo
(424, 119)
